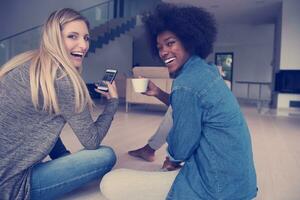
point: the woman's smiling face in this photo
(75, 35)
(171, 51)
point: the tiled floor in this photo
(275, 141)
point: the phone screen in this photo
(109, 75)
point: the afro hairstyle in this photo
(194, 26)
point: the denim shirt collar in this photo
(188, 64)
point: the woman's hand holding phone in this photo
(112, 90)
(110, 75)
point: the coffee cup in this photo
(140, 84)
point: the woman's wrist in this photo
(158, 93)
(111, 106)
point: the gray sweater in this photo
(27, 135)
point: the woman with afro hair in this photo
(209, 132)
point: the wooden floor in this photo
(275, 140)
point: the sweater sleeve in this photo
(89, 132)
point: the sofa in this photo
(158, 75)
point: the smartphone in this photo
(110, 75)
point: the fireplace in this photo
(288, 81)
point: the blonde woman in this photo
(40, 92)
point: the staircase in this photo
(108, 31)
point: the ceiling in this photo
(238, 11)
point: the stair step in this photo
(109, 31)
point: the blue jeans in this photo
(57, 177)
(59, 150)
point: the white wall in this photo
(290, 32)
(19, 15)
(252, 46)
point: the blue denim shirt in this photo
(210, 134)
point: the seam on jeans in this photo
(78, 177)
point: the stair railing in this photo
(29, 39)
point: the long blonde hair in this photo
(50, 58)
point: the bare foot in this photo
(170, 165)
(146, 153)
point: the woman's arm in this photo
(154, 90)
(89, 132)
(185, 134)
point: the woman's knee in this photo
(106, 154)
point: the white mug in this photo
(140, 84)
